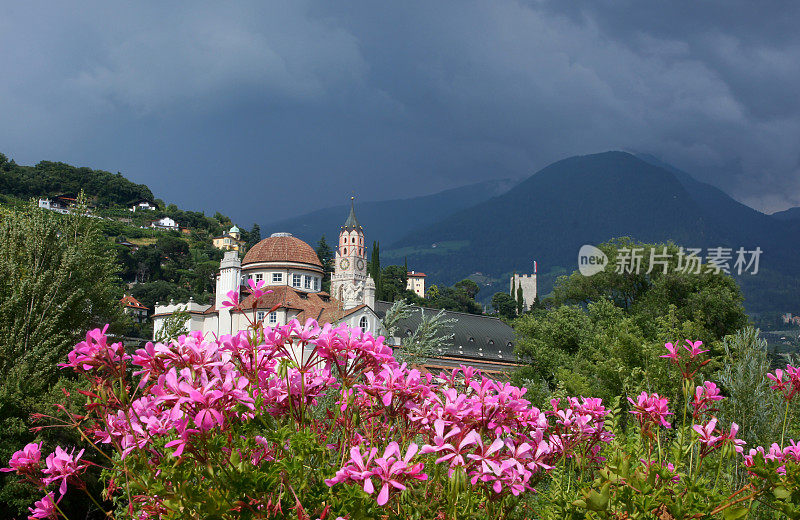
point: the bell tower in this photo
(350, 281)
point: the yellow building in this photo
(230, 240)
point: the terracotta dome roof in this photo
(281, 247)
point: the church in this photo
(291, 269)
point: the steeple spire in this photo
(352, 221)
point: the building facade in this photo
(291, 270)
(416, 283)
(231, 240)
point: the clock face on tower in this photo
(360, 264)
(344, 263)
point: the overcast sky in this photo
(269, 109)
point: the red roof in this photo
(415, 275)
(310, 305)
(130, 301)
(282, 248)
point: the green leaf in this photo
(732, 513)
(781, 493)
(599, 501)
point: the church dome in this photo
(281, 247)
(234, 229)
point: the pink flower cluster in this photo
(391, 470)
(687, 365)
(95, 353)
(704, 396)
(787, 381)
(775, 455)
(651, 410)
(60, 467)
(711, 438)
(390, 419)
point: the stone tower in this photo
(528, 284)
(349, 282)
(228, 279)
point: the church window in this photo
(273, 318)
(345, 249)
(363, 323)
(307, 282)
(296, 280)
(277, 277)
(260, 315)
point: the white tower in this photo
(528, 284)
(350, 283)
(228, 279)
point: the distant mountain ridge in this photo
(591, 199)
(787, 214)
(389, 220)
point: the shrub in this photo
(309, 421)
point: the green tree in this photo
(394, 279)
(520, 301)
(432, 334)
(254, 236)
(325, 255)
(749, 402)
(504, 305)
(57, 280)
(601, 333)
(374, 270)
(470, 288)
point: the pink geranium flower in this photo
(61, 466)
(704, 395)
(673, 352)
(25, 460)
(651, 409)
(44, 508)
(694, 348)
(233, 299)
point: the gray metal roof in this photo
(475, 336)
(352, 221)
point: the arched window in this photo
(345, 250)
(363, 323)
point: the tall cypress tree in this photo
(520, 300)
(375, 270)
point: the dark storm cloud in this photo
(268, 110)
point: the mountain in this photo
(787, 214)
(389, 220)
(588, 200)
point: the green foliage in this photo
(430, 337)
(394, 279)
(174, 325)
(602, 332)
(57, 279)
(750, 402)
(48, 179)
(374, 270)
(460, 297)
(326, 256)
(504, 305)
(253, 237)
